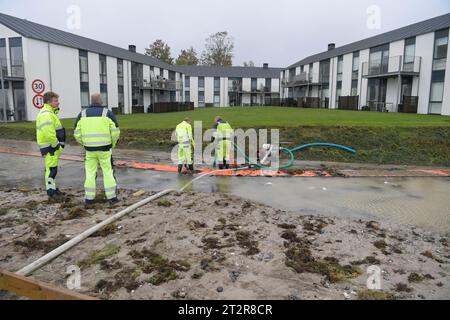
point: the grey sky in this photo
(279, 32)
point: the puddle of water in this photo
(423, 202)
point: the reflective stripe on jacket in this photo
(50, 134)
(96, 129)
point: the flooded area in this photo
(421, 202)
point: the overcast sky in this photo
(279, 32)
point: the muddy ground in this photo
(214, 246)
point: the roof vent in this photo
(132, 48)
(266, 66)
(331, 46)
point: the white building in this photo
(231, 86)
(404, 70)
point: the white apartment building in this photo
(404, 70)
(231, 86)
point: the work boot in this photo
(114, 201)
(59, 192)
(53, 196)
(191, 168)
(180, 168)
(89, 203)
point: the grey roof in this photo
(37, 31)
(427, 26)
(230, 72)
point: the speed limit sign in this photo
(38, 101)
(38, 86)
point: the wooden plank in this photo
(37, 290)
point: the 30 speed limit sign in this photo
(38, 101)
(38, 86)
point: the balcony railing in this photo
(393, 65)
(303, 78)
(11, 68)
(163, 84)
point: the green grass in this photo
(379, 138)
(250, 117)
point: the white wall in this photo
(396, 49)
(113, 93)
(347, 74)
(194, 91)
(424, 49)
(209, 90)
(446, 101)
(223, 92)
(392, 95)
(276, 85)
(362, 82)
(127, 86)
(246, 84)
(94, 73)
(315, 72)
(333, 82)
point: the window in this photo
(103, 79)
(324, 71)
(438, 74)
(254, 84)
(16, 57)
(172, 76)
(268, 85)
(201, 98)
(84, 78)
(187, 82)
(354, 90)
(103, 70)
(410, 51)
(440, 50)
(120, 88)
(187, 96)
(216, 92)
(84, 68)
(84, 89)
(355, 66)
(137, 78)
(3, 61)
(201, 83)
(161, 73)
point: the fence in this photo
(164, 107)
(348, 102)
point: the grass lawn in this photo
(380, 138)
(273, 117)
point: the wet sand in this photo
(216, 246)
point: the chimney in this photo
(331, 46)
(265, 66)
(132, 48)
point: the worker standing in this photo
(51, 137)
(185, 146)
(223, 137)
(97, 130)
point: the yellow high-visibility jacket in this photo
(50, 134)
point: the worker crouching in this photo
(97, 130)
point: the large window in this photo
(16, 57)
(3, 61)
(440, 50)
(201, 98)
(379, 59)
(187, 82)
(103, 79)
(410, 52)
(137, 78)
(84, 78)
(120, 87)
(187, 96)
(438, 75)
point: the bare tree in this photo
(218, 50)
(249, 63)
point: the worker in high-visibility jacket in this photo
(185, 146)
(97, 130)
(51, 138)
(223, 137)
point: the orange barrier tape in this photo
(230, 173)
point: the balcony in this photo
(162, 84)
(302, 79)
(394, 66)
(12, 70)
